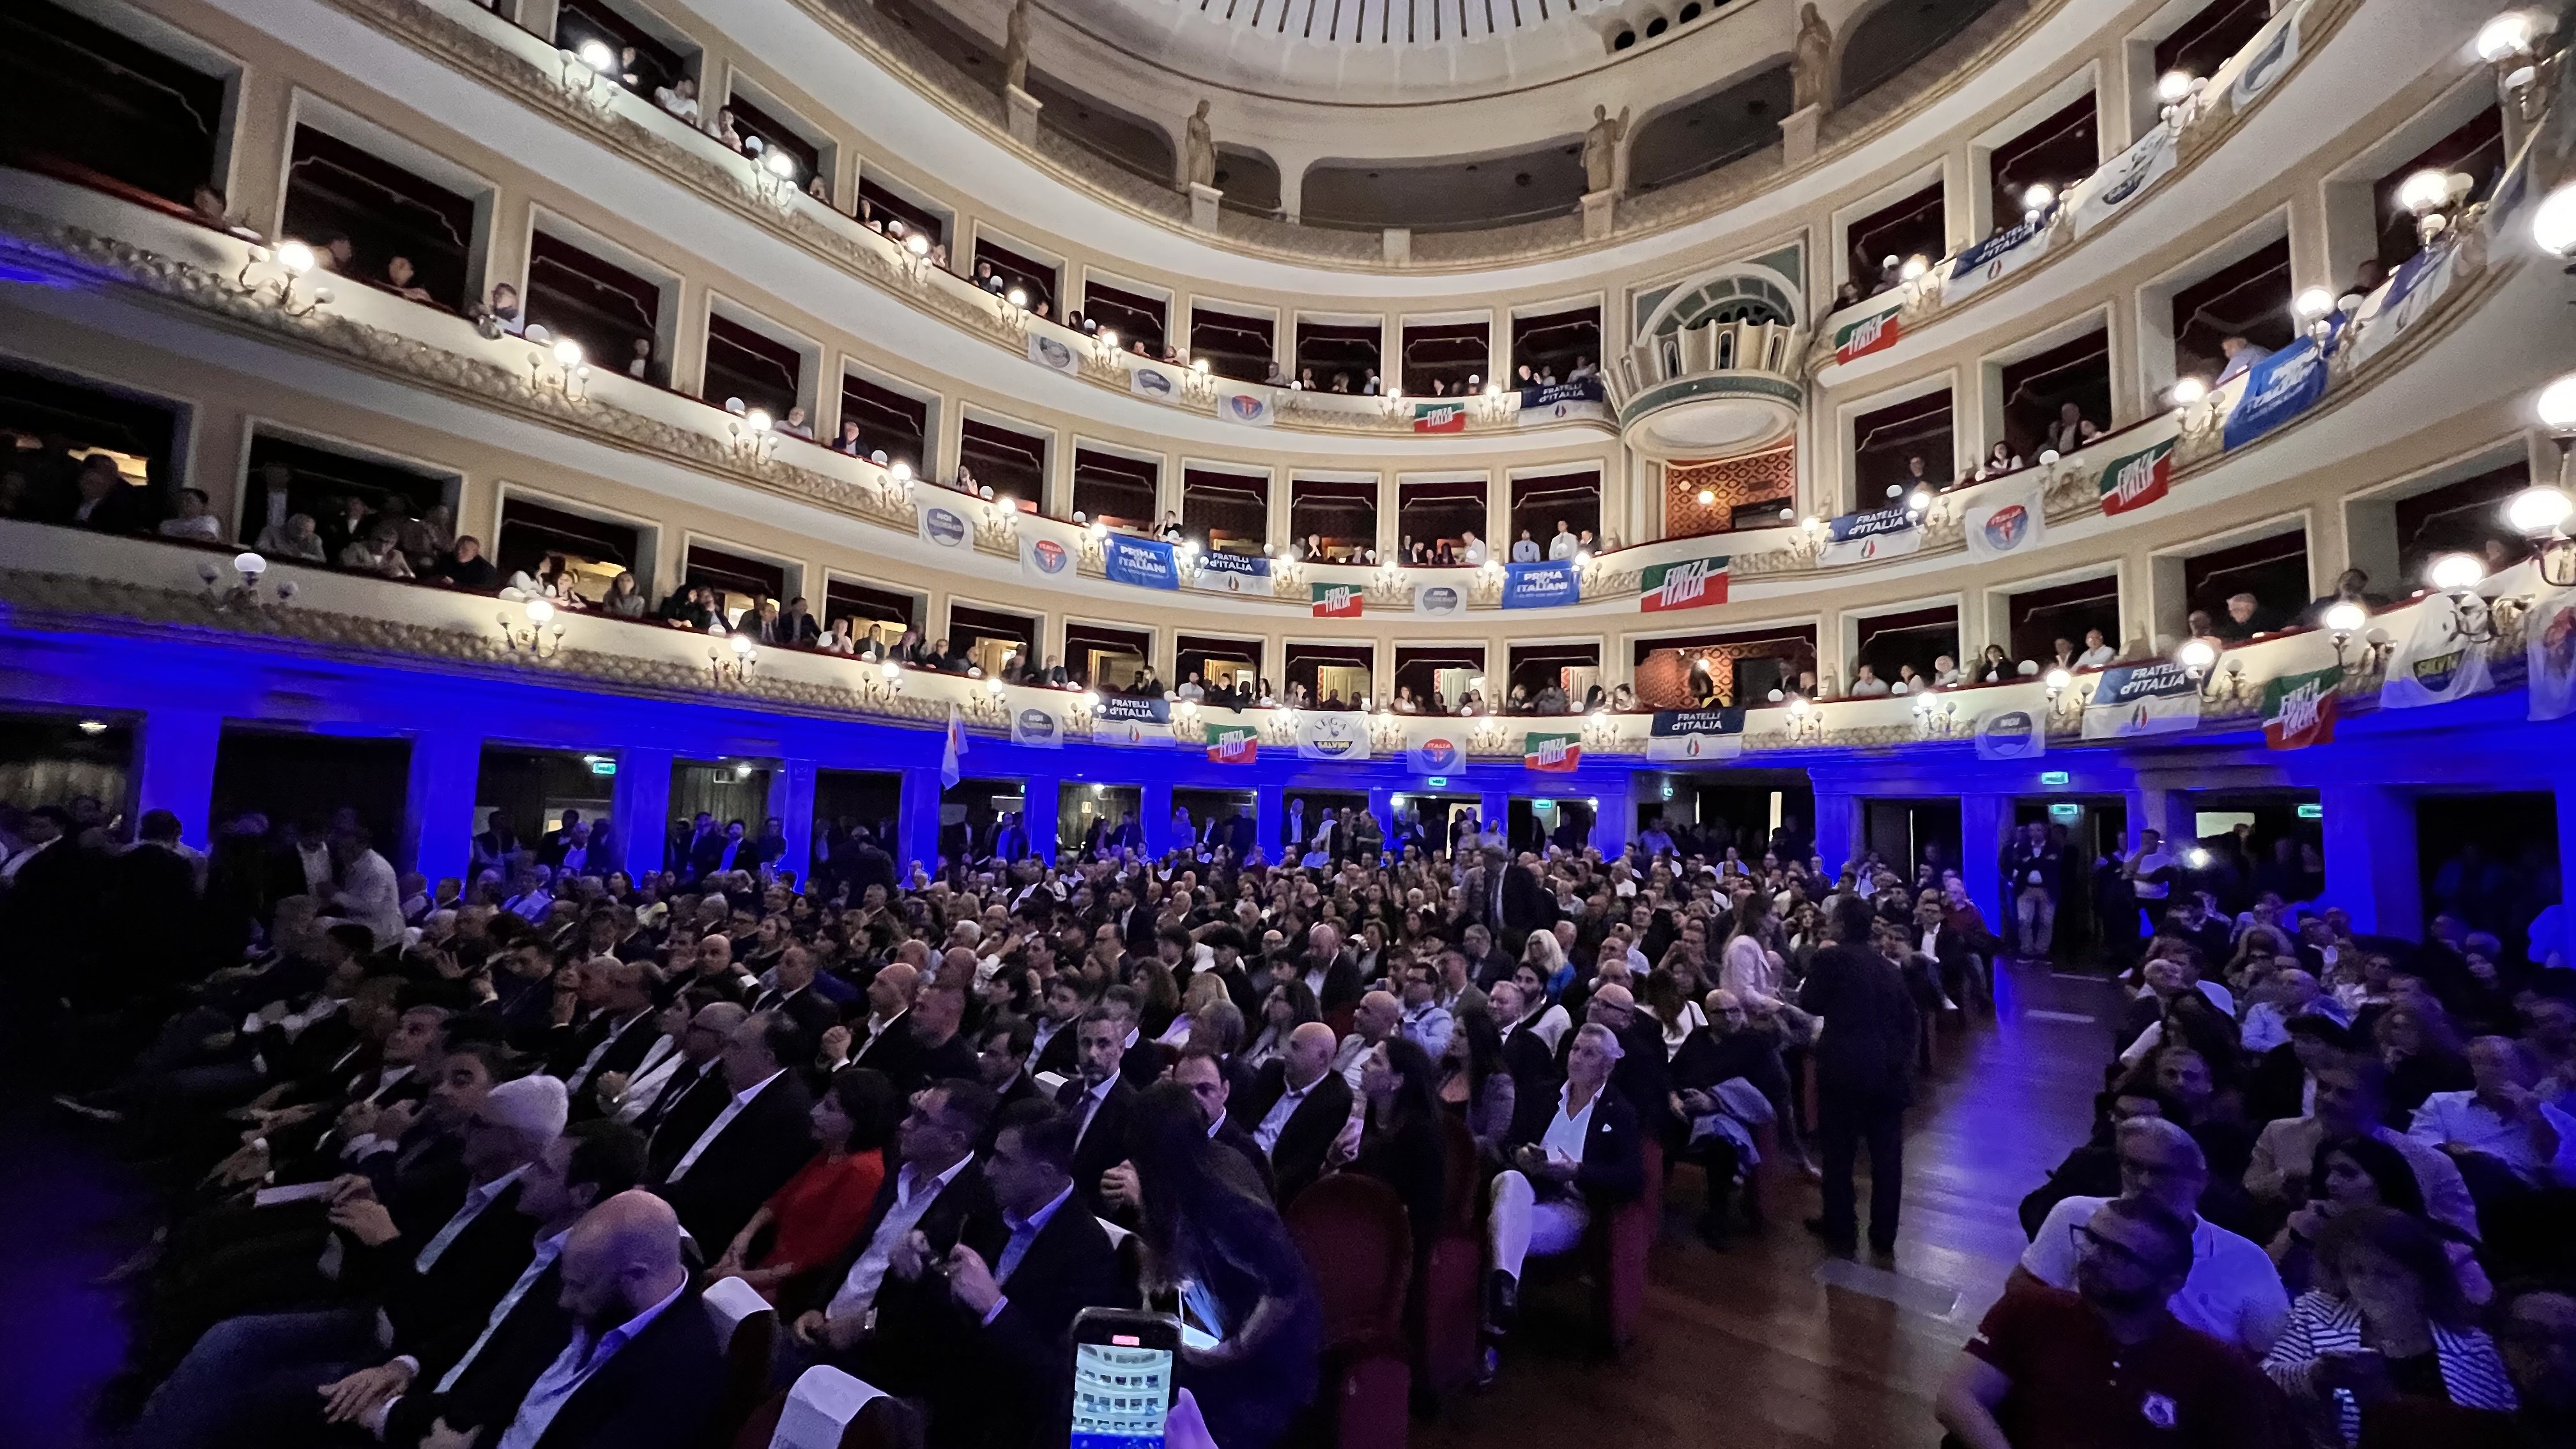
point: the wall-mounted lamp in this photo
(751, 428)
(586, 74)
(248, 569)
(735, 671)
(540, 637)
(2508, 44)
(2431, 196)
(293, 259)
(2197, 657)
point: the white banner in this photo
(2121, 179)
(944, 522)
(1046, 351)
(1252, 407)
(1233, 573)
(1995, 258)
(2550, 632)
(1146, 380)
(1339, 734)
(2006, 519)
(1439, 601)
(2437, 663)
(2012, 734)
(1436, 746)
(2261, 64)
(1037, 725)
(1043, 559)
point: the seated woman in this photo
(1398, 1137)
(1288, 1006)
(2364, 1172)
(2422, 1056)
(2388, 1323)
(811, 1220)
(1474, 1084)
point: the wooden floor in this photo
(1751, 1348)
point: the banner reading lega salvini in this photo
(1147, 563)
(1541, 585)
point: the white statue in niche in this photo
(1015, 48)
(1601, 149)
(1811, 54)
(1200, 149)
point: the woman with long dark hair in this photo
(2391, 1323)
(1474, 1084)
(1217, 1240)
(810, 1220)
(1399, 1139)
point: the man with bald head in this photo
(618, 1033)
(886, 1040)
(1380, 1016)
(940, 1045)
(695, 1092)
(1330, 970)
(1295, 1107)
(643, 1369)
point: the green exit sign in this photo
(2053, 777)
(2066, 812)
(602, 765)
(2312, 812)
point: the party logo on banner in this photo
(1146, 563)
(1152, 382)
(944, 527)
(1688, 584)
(1862, 336)
(1555, 753)
(2299, 709)
(2127, 174)
(1120, 720)
(2550, 652)
(1233, 573)
(1043, 558)
(2012, 734)
(1252, 409)
(1037, 727)
(1541, 585)
(1332, 735)
(2277, 390)
(1558, 402)
(1045, 351)
(1437, 754)
(1696, 734)
(2137, 479)
(1995, 258)
(1336, 601)
(2272, 60)
(1440, 417)
(1233, 744)
(2005, 521)
(2437, 663)
(2142, 699)
(1439, 601)
(1860, 537)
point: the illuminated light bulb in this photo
(756, 419)
(1798, 706)
(540, 612)
(2196, 654)
(2505, 36)
(1090, 700)
(2538, 510)
(2344, 616)
(296, 257)
(2424, 191)
(1919, 500)
(2553, 222)
(1915, 266)
(597, 56)
(2452, 573)
(1017, 297)
(568, 353)
(892, 670)
(900, 471)
(917, 244)
(2557, 404)
(2312, 304)
(2172, 86)
(249, 565)
(1109, 337)
(2189, 390)
(1199, 366)
(742, 644)
(2038, 197)
(1707, 496)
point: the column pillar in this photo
(1498, 516)
(791, 799)
(1494, 812)
(1277, 528)
(1382, 805)
(1057, 500)
(918, 834)
(2151, 807)
(689, 341)
(639, 809)
(2370, 859)
(438, 804)
(1269, 818)
(537, 17)
(1983, 819)
(1614, 815)
(176, 759)
(1154, 803)
(2565, 793)
(1041, 810)
(1838, 829)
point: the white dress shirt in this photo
(581, 1358)
(914, 1192)
(1562, 546)
(1569, 1129)
(476, 1200)
(2459, 1119)
(590, 1063)
(715, 1129)
(1275, 1121)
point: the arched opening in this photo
(1698, 136)
(1894, 36)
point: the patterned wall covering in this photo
(1730, 482)
(1663, 680)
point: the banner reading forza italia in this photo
(2134, 480)
(1120, 720)
(1696, 734)
(1694, 583)
(1440, 417)
(1554, 753)
(2299, 709)
(1233, 744)
(2142, 699)
(1337, 601)
(1876, 332)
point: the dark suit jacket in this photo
(1866, 1053)
(942, 1222)
(1233, 1134)
(678, 1115)
(1104, 1140)
(1614, 1151)
(1526, 1057)
(1342, 984)
(1297, 1158)
(1526, 904)
(894, 1051)
(489, 1390)
(954, 1057)
(1644, 1077)
(808, 1008)
(662, 1391)
(1057, 1055)
(631, 1043)
(429, 1309)
(753, 1157)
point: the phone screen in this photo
(1122, 1390)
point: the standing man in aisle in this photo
(2033, 871)
(1863, 1060)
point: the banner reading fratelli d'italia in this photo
(1696, 734)
(1692, 583)
(1121, 720)
(2142, 699)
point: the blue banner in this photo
(2277, 389)
(1234, 573)
(1147, 563)
(1550, 394)
(1880, 533)
(1541, 585)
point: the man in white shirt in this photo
(2233, 1292)
(1525, 1223)
(2151, 872)
(2351, 1099)
(1866, 684)
(2502, 1120)
(1471, 549)
(370, 893)
(2097, 651)
(623, 1279)
(1379, 1016)
(2293, 993)
(936, 1146)
(1564, 544)
(2242, 356)
(1525, 548)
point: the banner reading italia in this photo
(1876, 332)
(2135, 480)
(1696, 734)
(2299, 709)
(2142, 699)
(1554, 753)
(1692, 583)
(1233, 573)
(1337, 601)
(1436, 750)
(1230, 744)
(1440, 417)
(1995, 258)
(1121, 720)
(2006, 519)
(1860, 537)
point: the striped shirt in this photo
(2472, 1371)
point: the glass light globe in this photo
(1108, 337)
(2312, 304)
(1706, 496)
(742, 644)
(2172, 86)
(1798, 706)
(1199, 366)
(1788, 515)
(917, 244)
(249, 565)
(540, 612)
(2553, 222)
(779, 163)
(2452, 573)
(892, 670)
(2038, 197)
(2047, 456)
(1773, 696)
(1895, 490)
(2058, 679)
(1493, 389)
(900, 471)
(597, 56)
(1100, 530)
(756, 419)
(1919, 500)
(1090, 700)
(2424, 191)
(2189, 390)
(2504, 37)
(2027, 668)
(2344, 616)
(992, 686)
(2196, 654)
(568, 353)
(1915, 266)
(2538, 510)
(1813, 523)
(296, 257)
(2196, 858)
(2557, 404)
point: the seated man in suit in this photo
(642, 1369)
(1727, 1049)
(618, 1033)
(919, 1212)
(757, 1138)
(1643, 1076)
(940, 1048)
(482, 1369)
(1297, 1106)
(988, 1340)
(791, 989)
(1572, 1155)
(1525, 1052)
(1003, 1048)
(1096, 1101)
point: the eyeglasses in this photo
(2088, 1241)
